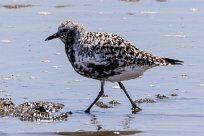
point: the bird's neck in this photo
(70, 53)
(72, 45)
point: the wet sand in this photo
(34, 70)
(86, 133)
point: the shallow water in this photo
(33, 70)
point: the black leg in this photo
(98, 97)
(135, 108)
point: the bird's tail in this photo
(173, 61)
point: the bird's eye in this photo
(64, 30)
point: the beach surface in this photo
(34, 70)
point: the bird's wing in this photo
(107, 52)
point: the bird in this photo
(106, 57)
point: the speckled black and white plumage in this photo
(105, 56)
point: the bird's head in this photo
(68, 32)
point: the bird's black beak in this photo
(56, 35)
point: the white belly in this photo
(128, 73)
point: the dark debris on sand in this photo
(16, 6)
(98, 133)
(101, 104)
(43, 111)
(160, 96)
(63, 6)
(174, 94)
(32, 111)
(114, 102)
(104, 95)
(144, 100)
(130, 0)
(104, 105)
(7, 107)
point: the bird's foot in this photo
(87, 111)
(135, 109)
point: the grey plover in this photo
(106, 57)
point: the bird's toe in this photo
(135, 109)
